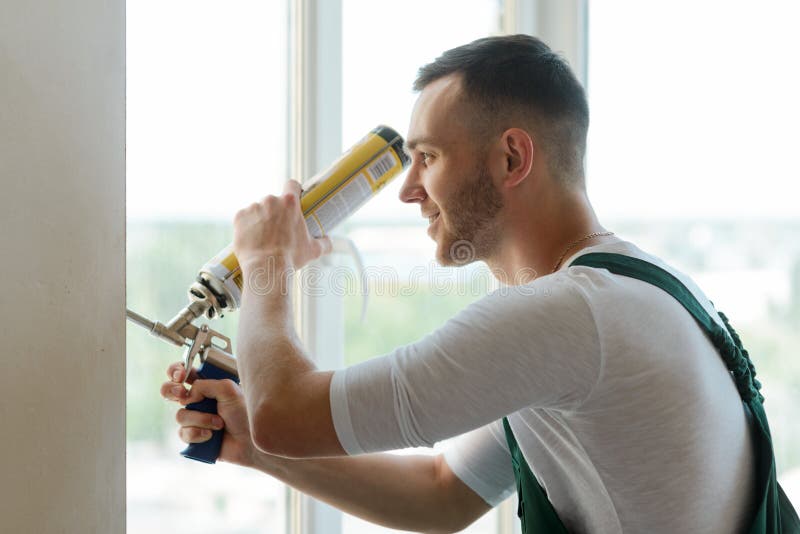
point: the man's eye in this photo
(426, 157)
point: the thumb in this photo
(222, 390)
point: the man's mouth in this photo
(432, 218)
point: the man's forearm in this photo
(417, 493)
(269, 355)
(287, 399)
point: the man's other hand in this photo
(196, 427)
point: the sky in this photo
(694, 107)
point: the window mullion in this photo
(315, 125)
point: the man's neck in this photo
(536, 241)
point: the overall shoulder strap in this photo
(775, 513)
(535, 510)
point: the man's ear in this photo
(519, 152)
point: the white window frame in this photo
(315, 125)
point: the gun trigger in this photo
(197, 348)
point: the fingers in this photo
(174, 392)
(176, 371)
(293, 188)
(193, 435)
(222, 390)
(193, 418)
(195, 426)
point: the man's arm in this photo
(287, 398)
(418, 493)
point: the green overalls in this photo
(774, 512)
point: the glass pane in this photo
(378, 74)
(692, 156)
(206, 101)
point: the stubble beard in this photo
(472, 232)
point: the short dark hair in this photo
(518, 76)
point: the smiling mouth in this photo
(432, 218)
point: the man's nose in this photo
(412, 190)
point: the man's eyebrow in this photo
(411, 144)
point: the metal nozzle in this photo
(159, 330)
(144, 322)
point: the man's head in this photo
(517, 81)
(487, 112)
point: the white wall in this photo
(62, 251)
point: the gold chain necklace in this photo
(581, 240)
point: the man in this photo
(595, 372)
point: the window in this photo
(206, 134)
(691, 155)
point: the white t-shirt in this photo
(621, 406)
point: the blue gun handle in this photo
(208, 451)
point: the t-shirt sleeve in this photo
(480, 459)
(533, 345)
